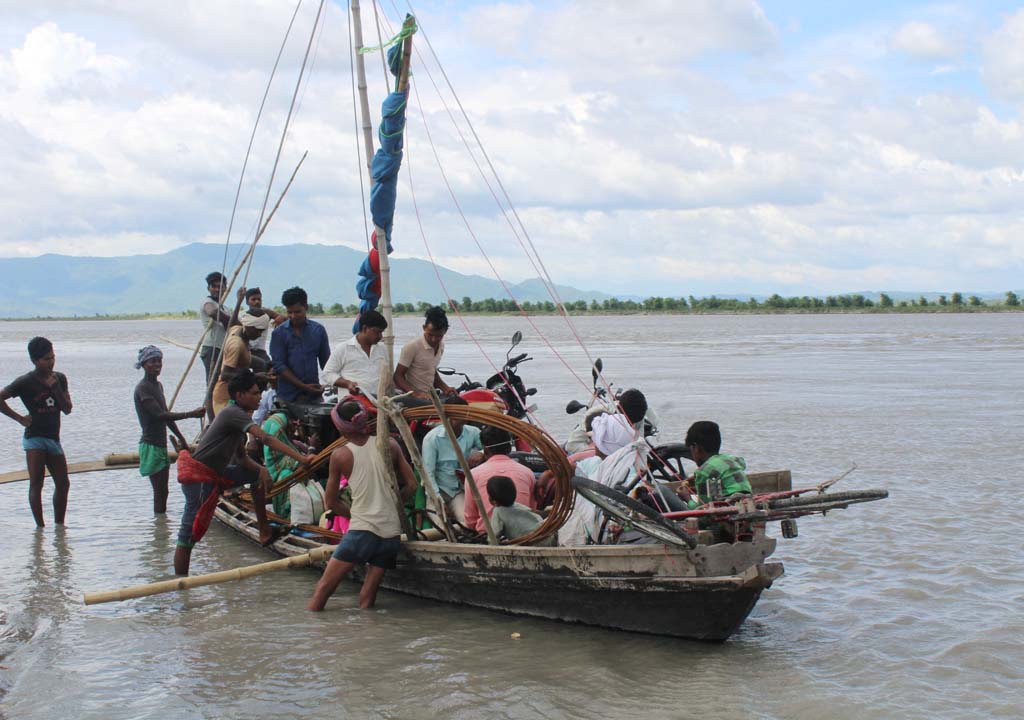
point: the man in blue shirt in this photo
(442, 465)
(299, 349)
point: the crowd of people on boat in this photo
(252, 438)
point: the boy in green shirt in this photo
(719, 476)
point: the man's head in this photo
(633, 404)
(253, 325)
(496, 441)
(40, 352)
(296, 303)
(371, 327)
(501, 490)
(457, 423)
(242, 388)
(435, 326)
(151, 359)
(352, 419)
(214, 282)
(254, 298)
(703, 439)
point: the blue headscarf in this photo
(150, 352)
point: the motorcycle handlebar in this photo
(518, 359)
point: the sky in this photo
(650, 148)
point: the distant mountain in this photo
(63, 285)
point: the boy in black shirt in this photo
(156, 420)
(45, 395)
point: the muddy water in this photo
(910, 607)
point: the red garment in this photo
(191, 471)
(521, 476)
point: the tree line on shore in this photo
(954, 302)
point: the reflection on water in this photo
(905, 608)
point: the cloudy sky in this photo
(687, 147)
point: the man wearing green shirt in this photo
(719, 476)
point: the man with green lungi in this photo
(155, 419)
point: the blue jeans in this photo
(196, 494)
(363, 546)
(47, 445)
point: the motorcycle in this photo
(503, 391)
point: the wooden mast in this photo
(364, 101)
(386, 378)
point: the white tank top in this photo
(373, 500)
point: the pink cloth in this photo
(521, 476)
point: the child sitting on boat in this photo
(509, 519)
(718, 476)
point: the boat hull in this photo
(701, 594)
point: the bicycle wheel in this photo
(633, 513)
(833, 500)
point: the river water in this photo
(909, 607)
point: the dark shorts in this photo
(196, 494)
(363, 546)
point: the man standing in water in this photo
(156, 419)
(45, 395)
(220, 463)
(375, 530)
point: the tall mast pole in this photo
(364, 101)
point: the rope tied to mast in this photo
(406, 31)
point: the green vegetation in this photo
(712, 305)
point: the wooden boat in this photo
(703, 593)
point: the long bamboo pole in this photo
(392, 411)
(319, 554)
(252, 247)
(364, 101)
(435, 395)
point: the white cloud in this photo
(652, 147)
(923, 41)
(1004, 58)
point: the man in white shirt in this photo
(355, 365)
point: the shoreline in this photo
(912, 310)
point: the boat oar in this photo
(184, 583)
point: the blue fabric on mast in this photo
(384, 192)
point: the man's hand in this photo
(475, 459)
(240, 295)
(313, 388)
(306, 460)
(25, 421)
(197, 413)
(447, 389)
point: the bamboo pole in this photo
(389, 407)
(364, 101)
(435, 396)
(248, 254)
(319, 554)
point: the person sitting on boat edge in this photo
(374, 535)
(236, 355)
(416, 370)
(155, 420)
(497, 447)
(356, 364)
(45, 396)
(254, 306)
(510, 519)
(221, 463)
(442, 465)
(299, 348)
(718, 476)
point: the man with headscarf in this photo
(617, 447)
(155, 420)
(237, 356)
(375, 529)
